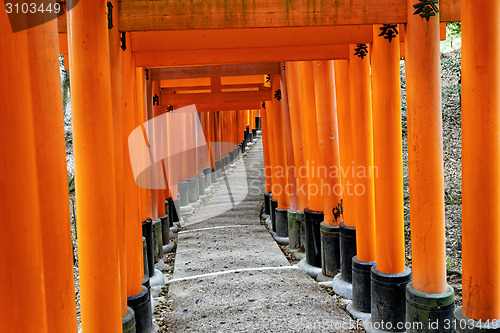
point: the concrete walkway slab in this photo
(231, 276)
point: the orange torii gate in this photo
(334, 25)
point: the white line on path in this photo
(232, 271)
(218, 227)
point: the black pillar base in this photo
(141, 304)
(145, 257)
(434, 312)
(293, 230)
(182, 189)
(128, 321)
(267, 207)
(313, 220)
(147, 232)
(281, 222)
(208, 178)
(330, 249)
(165, 230)
(176, 210)
(193, 190)
(388, 303)
(157, 240)
(361, 284)
(274, 205)
(257, 123)
(347, 251)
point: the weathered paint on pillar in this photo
(481, 159)
(328, 136)
(388, 156)
(425, 151)
(95, 185)
(364, 173)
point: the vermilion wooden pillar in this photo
(287, 136)
(141, 114)
(481, 159)
(211, 141)
(93, 146)
(19, 180)
(116, 94)
(425, 166)
(345, 139)
(297, 121)
(132, 218)
(362, 126)
(52, 178)
(329, 159)
(265, 148)
(388, 161)
(388, 158)
(315, 198)
(276, 114)
(160, 142)
(425, 152)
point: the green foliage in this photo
(449, 264)
(454, 29)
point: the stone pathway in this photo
(230, 275)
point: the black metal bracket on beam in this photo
(110, 15)
(147, 73)
(123, 41)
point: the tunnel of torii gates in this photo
(324, 80)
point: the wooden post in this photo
(290, 188)
(276, 114)
(315, 199)
(95, 191)
(160, 148)
(388, 160)
(22, 187)
(481, 159)
(115, 60)
(425, 151)
(345, 139)
(140, 118)
(132, 218)
(328, 140)
(297, 121)
(266, 149)
(361, 119)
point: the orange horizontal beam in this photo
(171, 40)
(240, 56)
(247, 86)
(216, 98)
(147, 15)
(192, 72)
(213, 107)
(244, 79)
(144, 15)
